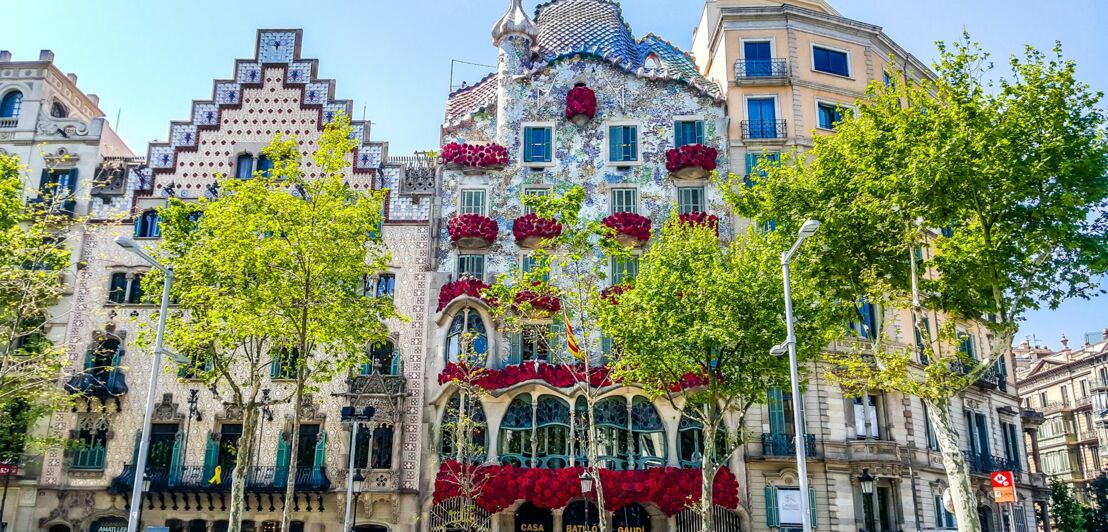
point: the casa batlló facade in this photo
(577, 99)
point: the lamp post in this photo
(349, 413)
(866, 480)
(586, 487)
(807, 230)
(159, 338)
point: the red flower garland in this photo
(691, 155)
(499, 486)
(543, 302)
(531, 226)
(612, 293)
(472, 226)
(467, 286)
(556, 375)
(581, 100)
(700, 218)
(475, 155)
(633, 225)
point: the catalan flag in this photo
(571, 340)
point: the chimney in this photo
(95, 99)
(5, 56)
(72, 78)
(46, 55)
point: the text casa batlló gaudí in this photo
(583, 528)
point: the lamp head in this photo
(125, 242)
(809, 228)
(866, 480)
(779, 349)
(586, 482)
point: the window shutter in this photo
(394, 369)
(548, 145)
(776, 411)
(772, 519)
(211, 456)
(812, 503)
(751, 162)
(632, 143)
(679, 134)
(615, 140)
(134, 453)
(528, 143)
(275, 366)
(44, 180)
(283, 454)
(699, 137)
(320, 450)
(983, 432)
(515, 354)
(175, 458)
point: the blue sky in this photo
(149, 60)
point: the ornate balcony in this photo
(764, 130)
(983, 464)
(198, 478)
(98, 380)
(785, 444)
(750, 71)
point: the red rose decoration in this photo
(700, 218)
(631, 229)
(468, 286)
(612, 293)
(580, 102)
(472, 230)
(530, 230)
(691, 160)
(537, 301)
(475, 155)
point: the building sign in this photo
(1004, 486)
(631, 518)
(789, 509)
(577, 517)
(109, 524)
(530, 518)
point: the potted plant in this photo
(537, 304)
(631, 229)
(700, 218)
(691, 161)
(465, 286)
(580, 104)
(530, 230)
(475, 158)
(472, 231)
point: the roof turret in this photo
(514, 22)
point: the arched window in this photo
(515, 433)
(649, 435)
(552, 432)
(382, 359)
(147, 225)
(10, 105)
(467, 329)
(690, 441)
(58, 110)
(265, 166)
(612, 434)
(244, 166)
(467, 417)
(652, 62)
(117, 291)
(134, 295)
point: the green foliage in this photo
(1096, 517)
(1066, 514)
(33, 253)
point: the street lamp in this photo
(148, 414)
(350, 414)
(586, 487)
(807, 230)
(866, 480)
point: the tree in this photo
(465, 427)
(1068, 514)
(700, 308)
(33, 252)
(272, 272)
(1003, 183)
(1096, 517)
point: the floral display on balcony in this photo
(580, 104)
(538, 302)
(631, 229)
(670, 489)
(465, 155)
(691, 161)
(472, 230)
(612, 293)
(530, 230)
(700, 218)
(556, 375)
(466, 286)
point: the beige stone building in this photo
(1069, 388)
(787, 66)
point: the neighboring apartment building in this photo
(72, 154)
(649, 98)
(1070, 389)
(788, 65)
(88, 487)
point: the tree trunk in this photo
(957, 471)
(294, 451)
(707, 472)
(242, 464)
(597, 484)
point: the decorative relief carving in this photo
(166, 410)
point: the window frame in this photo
(622, 189)
(776, 115)
(822, 103)
(846, 51)
(238, 162)
(772, 53)
(703, 200)
(17, 107)
(523, 146)
(697, 121)
(533, 190)
(462, 207)
(612, 273)
(607, 131)
(460, 271)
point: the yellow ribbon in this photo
(217, 478)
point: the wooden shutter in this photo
(394, 369)
(812, 503)
(776, 406)
(515, 353)
(211, 456)
(772, 519)
(175, 457)
(632, 143)
(983, 434)
(320, 450)
(283, 453)
(528, 143)
(615, 142)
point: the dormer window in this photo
(58, 110)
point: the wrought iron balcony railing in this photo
(88, 458)
(785, 444)
(764, 129)
(746, 69)
(985, 463)
(201, 478)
